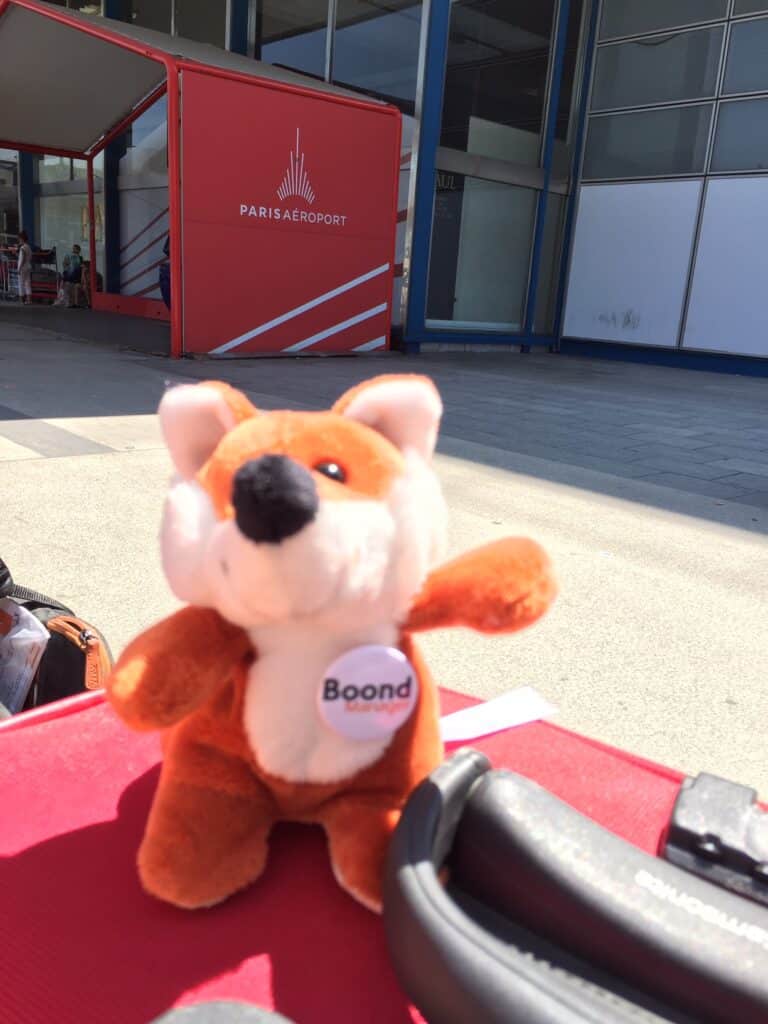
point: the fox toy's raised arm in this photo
(499, 588)
(176, 665)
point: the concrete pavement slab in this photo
(10, 451)
(658, 642)
(119, 433)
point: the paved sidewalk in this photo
(649, 487)
(699, 433)
(152, 337)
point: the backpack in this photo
(77, 658)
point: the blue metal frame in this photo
(429, 139)
(549, 146)
(238, 27)
(680, 359)
(416, 332)
(480, 337)
(581, 134)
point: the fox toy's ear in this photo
(405, 409)
(195, 417)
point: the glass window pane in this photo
(52, 168)
(481, 244)
(142, 229)
(80, 168)
(750, 6)
(741, 142)
(63, 222)
(292, 33)
(747, 67)
(498, 54)
(632, 17)
(203, 22)
(9, 163)
(660, 69)
(648, 143)
(9, 198)
(154, 14)
(146, 142)
(376, 48)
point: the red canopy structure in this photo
(284, 242)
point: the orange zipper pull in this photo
(93, 667)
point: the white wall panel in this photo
(728, 309)
(631, 258)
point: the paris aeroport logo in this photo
(296, 185)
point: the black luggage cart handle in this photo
(550, 919)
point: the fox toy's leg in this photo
(359, 833)
(205, 841)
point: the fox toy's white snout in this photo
(371, 555)
(284, 553)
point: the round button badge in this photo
(368, 693)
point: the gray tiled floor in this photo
(700, 433)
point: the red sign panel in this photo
(288, 217)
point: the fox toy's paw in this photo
(203, 844)
(172, 668)
(359, 834)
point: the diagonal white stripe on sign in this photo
(321, 335)
(369, 346)
(242, 338)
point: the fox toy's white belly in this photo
(287, 735)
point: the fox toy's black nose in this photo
(274, 497)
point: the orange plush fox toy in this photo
(290, 688)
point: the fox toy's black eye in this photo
(333, 471)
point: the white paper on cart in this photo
(517, 707)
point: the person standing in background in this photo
(164, 274)
(24, 267)
(74, 277)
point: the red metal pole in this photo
(91, 230)
(174, 208)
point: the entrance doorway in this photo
(502, 166)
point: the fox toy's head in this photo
(277, 516)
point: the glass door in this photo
(498, 152)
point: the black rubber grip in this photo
(462, 960)
(536, 860)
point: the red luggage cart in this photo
(83, 944)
